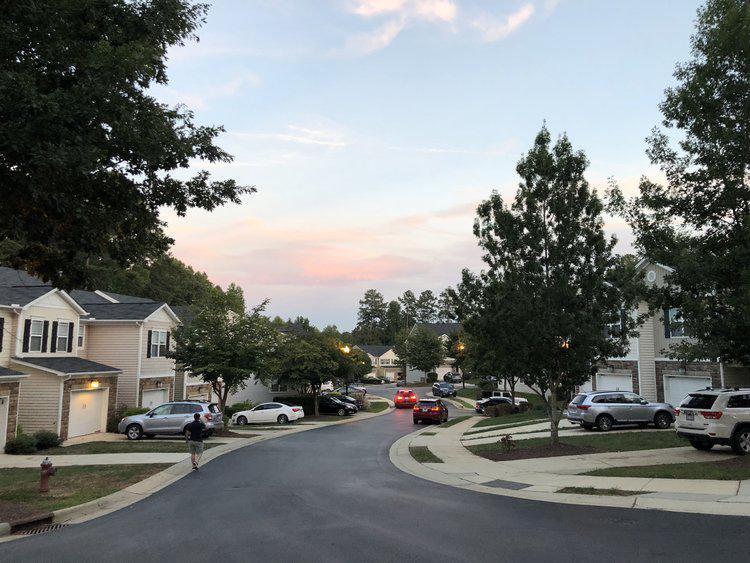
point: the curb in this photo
(144, 489)
(401, 458)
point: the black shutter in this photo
(667, 329)
(169, 334)
(53, 344)
(44, 336)
(623, 322)
(26, 334)
(70, 337)
(2, 332)
(148, 345)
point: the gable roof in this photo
(88, 297)
(10, 373)
(122, 311)
(373, 349)
(12, 277)
(22, 295)
(122, 298)
(66, 365)
(441, 329)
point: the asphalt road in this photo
(331, 494)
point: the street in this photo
(332, 494)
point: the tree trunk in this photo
(554, 419)
(316, 410)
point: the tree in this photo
(699, 221)
(394, 321)
(226, 348)
(426, 307)
(423, 350)
(371, 318)
(408, 303)
(457, 350)
(548, 262)
(446, 307)
(87, 156)
(354, 364)
(399, 347)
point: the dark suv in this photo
(443, 389)
(430, 410)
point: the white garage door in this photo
(153, 398)
(88, 412)
(613, 382)
(677, 387)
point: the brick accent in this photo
(193, 390)
(85, 383)
(620, 366)
(10, 390)
(156, 383)
(691, 368)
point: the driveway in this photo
(331, 494)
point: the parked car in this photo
(491, 402)
(405, 398)
(716, 416)
(443, 389)
(506, 394)
(171, 418)
(327, 386)
(348, 399)
(334, 405)
(452, 377)
(430, 410)
(268, 412)
(351, 389)
(605, 409)
(401, 383)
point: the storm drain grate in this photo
(39, 529)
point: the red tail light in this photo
(584, 407)
(416, 408)
(296, 409)
(714, 415)
(207, 416)
(677, 412)
(435, 409)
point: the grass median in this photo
(19, 488)
(734, 469)
(453, 421)
(577, 445)
(422, 454)
(376, 406)
(602, 492)
(124, 447)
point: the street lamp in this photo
(345, 349)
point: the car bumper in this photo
(428, 416)
(692, 433)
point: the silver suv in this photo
(171, 418)
(604, 409)
(716, 416)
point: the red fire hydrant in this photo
(47, 471)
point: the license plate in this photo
(424, 410)
(689, 416)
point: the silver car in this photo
(605, 409)
(171, 418)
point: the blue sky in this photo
(372, 128)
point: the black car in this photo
(452, 377)
(334, 405)
(491, 402)
(348, 399)
(443, 389)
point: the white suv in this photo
(716, 416)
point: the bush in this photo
(20, 445)
(45, 440)
(121, 412)
(372, 380)
(431, 377)
(499, 410)
(229, 410)
(524, 407)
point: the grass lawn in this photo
(428, 434)
(732, 469)
(20, 498)
(376, 406)
(423, 455)
(122, 448)
(594, 443)
(463, 403)
(453, 421)
(605, 492)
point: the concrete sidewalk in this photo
(541, 478)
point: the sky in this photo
(373, 128)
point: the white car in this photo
(508, 395)
(268, 412)
(716, 416)
(327, 386)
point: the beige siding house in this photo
(385, 362)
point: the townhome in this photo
(384, 360)
(46, 384)
(647, 368)
(133, 334)
(444, 331)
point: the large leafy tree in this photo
(408, 303)
(87, 156)
(226, 348)
(394, 321)
(371, 318)
(698, 221)
(423, 350)
(545, 291)
(426, 307)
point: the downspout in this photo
(721, 374)
(140, 359)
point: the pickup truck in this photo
(506, 394)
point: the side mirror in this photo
(150, 414)
(644, 402)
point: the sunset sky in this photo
(372, 128)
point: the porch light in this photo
(95, 384)
(345, 349)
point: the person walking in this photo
(194, 435)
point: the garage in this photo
(153, 398)
(614, 382)
(677, 387)
(88, 412)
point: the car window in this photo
(161, 410)
(427, 403)
(273, 406)
(739, 402)
(199, 408)
(213, 407)
(182, 409)
(698, 401)
(610, 399)
(578, 399)
(260, 408)
(632, 398)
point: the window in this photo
(697, 401)
(615, 330)
(36, 336)
(81, 334)
(674, 324)
(739, 402)
(62, 336)
(182, 409)
(158, 343)
(162, 410)
(279, 388)
(633, 398)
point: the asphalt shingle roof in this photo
(374, 350)
(22, 295)
(122, 298)
(5, 372)
(83, 297)
(69, 365)
(185, 312)
(441, 328)
(121, 311)
(11, 277)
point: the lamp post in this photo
(345, 349)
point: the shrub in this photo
(499, 410)
(45, 440)
(229, 410)
(432, 377)
(524, 407)
(20, 445)
(121, 412)
(507, 444)
(131, 411)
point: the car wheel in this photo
(242, 420)
(283, 419)
(588, 427)
(604, 422)
(701, 444)
(341, 412)
(662, 420)
(134, 432)
(740, 441)
(416, 421)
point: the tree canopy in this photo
(423, 350)
(87, 156)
